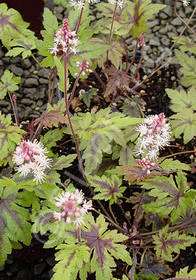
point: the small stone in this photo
(43, 81)
(154, 42)
(176, 22)
(163, 15)
(27, 101)
(153, 23)
(165, 41)
(42, 73)
(6, 60)
(26, 63)
(16, 70)
(168, 10)
(173, 78)
(163, 30)
(30, 82)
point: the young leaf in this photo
(87, 96)
(168, 243)
(107, 188)
(118, 81)
(50, 119)
(9, 137)
(184, 123)
(182, 100)
(8, 83)
(184, 273)
(170, 164)
(134, 173)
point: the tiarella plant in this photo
(132, 208)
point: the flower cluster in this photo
(186, 3)
(80, 4)
(120, 3)
(30, 157)
(73, 207)
(154, 135)
(145, 163)
(65, 41)
(83, 67)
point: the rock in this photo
(176, 22)
(163, 15)
(154, 42)
(27, 101)
(165, 41)
(26, 63)
(43, 81)
(31, 82)
(16, 70)
(42, 73)
(153, 23)
(163, 30)
(168, 11)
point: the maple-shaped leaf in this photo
(170, 164)
(50, 138)
(64, 161)
(22, 46)
(184, 123)
(12, 26)
(14, 219)
(136, 14)
(171, 199)
(71, 259)
(183, 273)
(188, 68)
(168, 243)
(105, 246)
(107, 188)
(118, 81)
(152, 268)
(186, 44)
(10, 136)
(50, 119)
(87, 96)
(8, 83)
(182, 100)
(50, 28)
(135, 173)
(114, 54)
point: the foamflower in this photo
(31, 157)
(73, 207)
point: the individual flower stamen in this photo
(73, 207)
(30, 157)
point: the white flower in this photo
(30, 158)
(186, 3)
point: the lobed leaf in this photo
(8, 83)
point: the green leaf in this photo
(12, 26)
(87, 96)
(184, 272)
(106, 245)
(8, 83)
(50, 28)
(170, 199)
(14, 220)
(107, 188)
(182, 100)
(22, 46)
(184, 123)
(9, 137)
(168, 243)
(186, 44)
(170, 164)
(64, 162)
(188, 64)
(71, 259)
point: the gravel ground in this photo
(32, 97)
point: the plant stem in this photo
(136, 46)
(99, 79)
(137, 210)
(114, 14)
(74, 88)
(80, 17)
